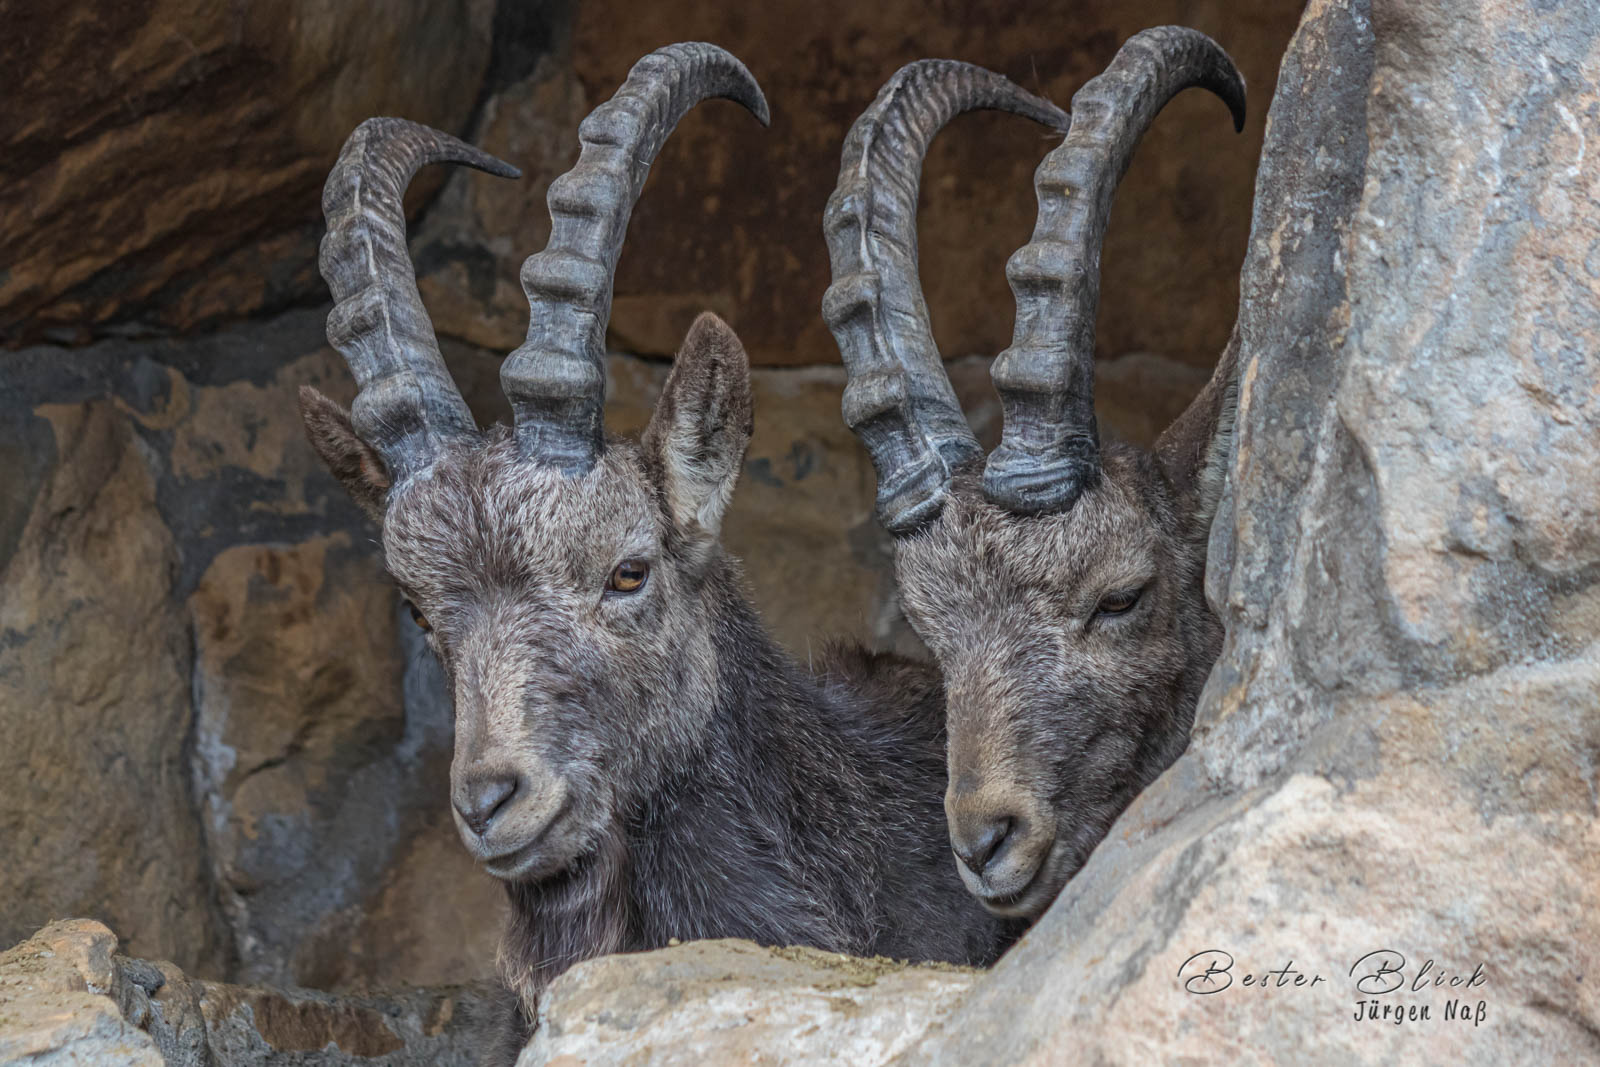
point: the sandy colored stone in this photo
(58, 1001)
(735, 1002)
(731, 217)
(164, 158)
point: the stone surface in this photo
(194, 616)
(408, 1028)
(164, 158)
(324, 790)
(59, 994)
(730, 219)
(735, 1002)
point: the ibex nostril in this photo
(977, 841)
(482, 798)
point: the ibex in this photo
(634, 757)
(1059, 585)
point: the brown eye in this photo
(419, 618)
(629, 576)
(1118, 603)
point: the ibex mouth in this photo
(1018, 892)
(540, 856)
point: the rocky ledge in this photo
(67, 997)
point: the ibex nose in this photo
(977, 839)
(481, 796)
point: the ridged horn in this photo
(899, 400)
(556, 379)
(407, 405)
(1050, 451)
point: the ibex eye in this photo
(419, 618)
(1118, 603)
(629, 576)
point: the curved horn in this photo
(899, 400)
(407, 403)
(1050, 451)
(556, 379)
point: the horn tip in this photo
(757, 103)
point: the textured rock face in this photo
(221, 739)
(734, 1002)
(323, 786)
(94, 683)
(164, 161)
(730, 219)
(164, 158)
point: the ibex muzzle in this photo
(1058, 583)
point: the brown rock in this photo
(403, 1028)
(66, 1000)
(96, 814)
(164, 158)
(731, 217)
(326, 799)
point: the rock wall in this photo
(164, 158)
(1381, 845)
(731, 218)
(225, 739)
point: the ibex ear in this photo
(701, 426)
(1195, 450)
(356, 465)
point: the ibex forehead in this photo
(1109, 535)
(488, 518)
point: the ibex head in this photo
(1058, 584)
(558, 573)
